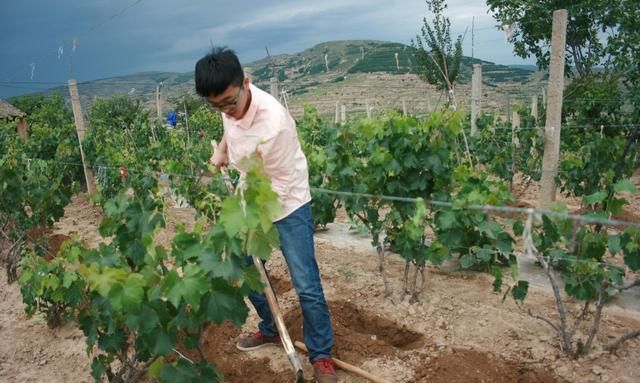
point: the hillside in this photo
(354, 73)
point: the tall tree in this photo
(600, 33)
(438, 57)
(602, 52)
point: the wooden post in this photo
(274, 87)
(337, 112)
(507, 106)
(534, 107)
(158, 104)
(343, 113)
(186, 118)
(77, 115)
(554, 109)
(476, 95)
(368, 110)
(23, 128)
(515, 144)
(404, 107)
(326, 61)
(515, 120)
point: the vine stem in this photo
(387, 288)
(597, 316)
(613, 347)
(531, 250)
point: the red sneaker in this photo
(325, 371)
(256, 341)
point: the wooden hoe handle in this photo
(347, 367)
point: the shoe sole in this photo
(256, 347)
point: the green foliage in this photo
(601, 36)
(493, 147)
(392, 156)
(579, 253)
(137, 144)
(118, 113)
(586, 46)
(37, 178)
(50, 286)
(479, 240)
(315, 136)
(136, 301)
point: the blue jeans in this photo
(296, 243)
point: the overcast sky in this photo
(118, 37)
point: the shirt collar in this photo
(247, 120)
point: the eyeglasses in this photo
(229, 105)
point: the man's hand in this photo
(219, 159)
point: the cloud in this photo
(171, 35)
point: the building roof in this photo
(9, 111)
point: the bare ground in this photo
(459, 331)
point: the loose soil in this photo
(459, 330)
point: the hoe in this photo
(273, 302)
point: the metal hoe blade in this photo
(277, 316)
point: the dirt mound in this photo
(470, 366)
(280, 285)
(219, 348)
(360, 334)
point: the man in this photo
(254, 121)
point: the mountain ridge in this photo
(321, 73)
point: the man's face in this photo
(233, 101)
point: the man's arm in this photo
(220, 157)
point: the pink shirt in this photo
(269, 129)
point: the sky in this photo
(45, 43)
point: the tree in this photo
(438, 59)
(600, 32)
(602, 54)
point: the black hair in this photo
(217, 70)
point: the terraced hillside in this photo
(353, 73)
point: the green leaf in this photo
(103, 281)
(504, 242)
(467, 261)
(68, 278)
(518, 228)
(614, 244)
(112, 342)
(190, 288)
(497, 282)
(155, 367)
(163, 343)
(260, 244)
(98, 368)
(226, 303)
(179, 371)
(133, 292)
(446, 219)
(484, 254)
(229, 268)
(232, 217)
(625, 185)
(594, 198)
(519, 291)
(632, 259)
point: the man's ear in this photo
(246, 81)
(247, 75)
